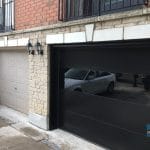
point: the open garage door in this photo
(14, 80)
(103, 92)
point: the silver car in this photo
(90, 81)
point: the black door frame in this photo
(54, 103)
(56, 74)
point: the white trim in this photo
(134, 32)
(76, 37)
(23, 42)
(89, 30)
(39, 121)
(12, 43)
(54, 39)
(2, 43)
(5, 41)
(108, 34)
(82, 37)
(137, 32)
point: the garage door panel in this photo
(130, 116)
(117, 123)
(14, 79)
(107, 135)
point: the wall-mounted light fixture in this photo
(146, 2)
(30, 48)
(38, 48)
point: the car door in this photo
(90, 84)
(105, 79)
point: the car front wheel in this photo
(78, 89)
(110, 88)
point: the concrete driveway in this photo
(16, 133)
(12, 139)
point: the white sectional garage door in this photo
(14, 80)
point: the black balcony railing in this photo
(76, 9)
(6, 15)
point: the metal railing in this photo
(76, 9)
(6, 15)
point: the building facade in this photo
(28, 81)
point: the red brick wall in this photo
(34, 13)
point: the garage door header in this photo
(13, 42)
(91, 35)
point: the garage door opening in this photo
(101, 92)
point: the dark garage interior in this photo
(101, 92)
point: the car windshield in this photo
(77, 74)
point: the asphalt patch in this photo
(30, 131)
(4, 122)
(21, 143)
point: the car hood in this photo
(72, 82)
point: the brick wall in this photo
(34, 13)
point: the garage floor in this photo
(126, 92)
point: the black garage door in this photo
(101, 92)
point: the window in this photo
(6, 15)
(76, 9)
(103, 74)
(9, 14)
(1, 15)
(91, 75)
(76, 74)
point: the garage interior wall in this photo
(14, 80)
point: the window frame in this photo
(121, 5)
(8, 15)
